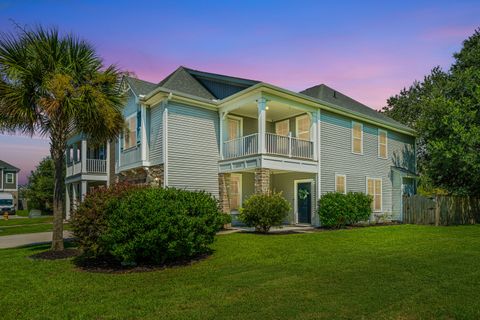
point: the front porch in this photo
(298, 188)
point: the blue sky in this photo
(369, 50)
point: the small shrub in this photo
(263, 211)
(148, 225)
(337, 210)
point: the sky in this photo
(368, 50)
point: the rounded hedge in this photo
(143, 225)
(263, 211)
(337, 210)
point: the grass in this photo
(22, 213)
(396, 272)
(21, 226)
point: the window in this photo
(282, 128)
(374, 188)
(130, 136)
(357, 138)
(382, 144)
(235, 125)
(302, 130)
(9, 177)
(235, 192)
(341, 183)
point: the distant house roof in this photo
(7, 166)
(324, 93)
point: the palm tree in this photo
(56, 85)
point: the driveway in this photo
(19, 240)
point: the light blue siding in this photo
(337, 157)
(156, 135)
(193, 148)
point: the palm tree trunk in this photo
(57, 151)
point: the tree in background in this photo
(41, 183)
(445, 110)
(56, 85)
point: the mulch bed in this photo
(105, 266)
(56, 255)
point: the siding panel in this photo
(193, 148)
(336, 157)
(155, 133)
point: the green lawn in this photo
(20, 226)
(25, 221)
(397, 272)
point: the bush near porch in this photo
(133, 225)
(264, 211)
(336, 210)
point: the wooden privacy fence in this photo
(441, 210)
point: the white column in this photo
(143, 131)
(67, 202)
(83, 190)
(262, 123)
(319, 153)
(165, 145)
(83, 155)
(74, 195)
(107, 161)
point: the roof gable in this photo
(182, 81)
(140, 87)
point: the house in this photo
(9, 180)
(235, 137)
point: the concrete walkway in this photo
(18, 240)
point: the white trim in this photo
(344, 182)
(361, 137)
(1, 179)
(165, 145)
(386, 144)
(220, 129)
(143, 132)
(381, 192)
(288, 126)
(296, 124)
(295, 201)
(240, 188)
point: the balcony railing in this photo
(274, 144)
(92, 166)
(130, 156)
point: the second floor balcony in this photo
(85, 159)
(91, 166)
(286, 146)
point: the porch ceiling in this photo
(276, 111)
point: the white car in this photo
(6, 203)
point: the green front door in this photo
(304, 202)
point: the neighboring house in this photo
(9, 180)
(234, 137)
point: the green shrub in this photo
(263, 211)
(148, 225)
(337, 210)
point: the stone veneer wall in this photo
(262, 180)
(224, 190)
(152, 176)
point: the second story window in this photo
(302, 129)
(130, 136)
(9, 177)
(382, 144)
(282, 128)
(357, 138)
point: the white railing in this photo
(77, 167)
(130, 156)
(274, 144)
(240, 147)
(96, 166)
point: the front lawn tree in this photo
(56, 85)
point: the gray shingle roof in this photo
(182, 81)
(140, 86)
(7, 166)
(324, 93)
